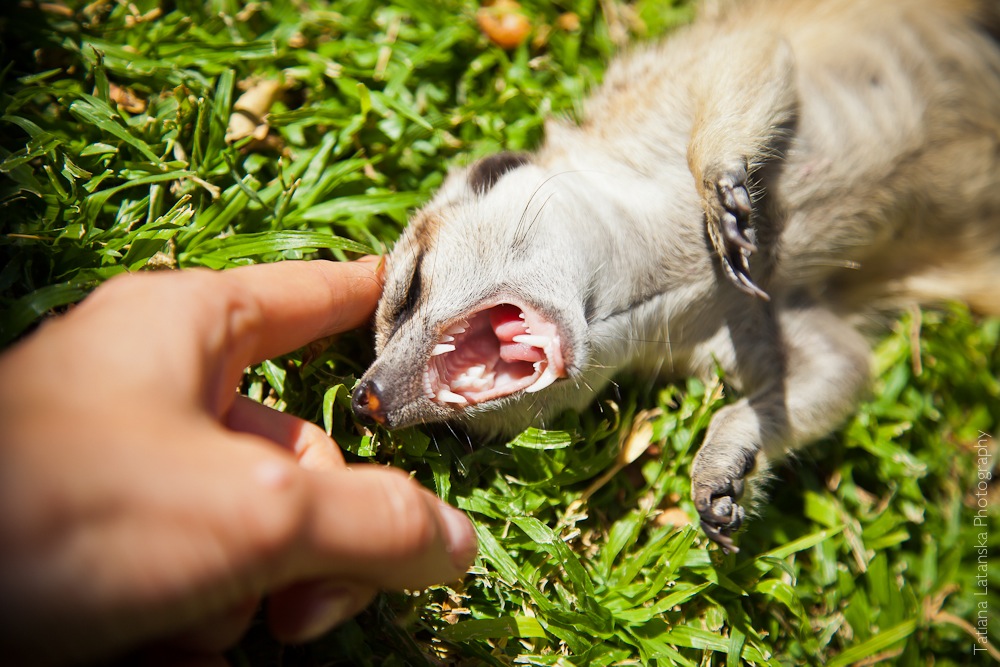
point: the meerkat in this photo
(746, 191)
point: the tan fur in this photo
(867, 135)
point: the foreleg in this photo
(744, 102)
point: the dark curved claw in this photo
(732, 234)
(737, 269)
(720, 538)
(720, 514)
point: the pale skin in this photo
(146, 507)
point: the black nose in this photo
(367, 401)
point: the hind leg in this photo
(798, 391)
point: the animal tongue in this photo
(507, 322)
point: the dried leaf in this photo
(640, 437)
(673, 516)
(568, 22)
(250, 111)
(126, 99)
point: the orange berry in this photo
(504, 24)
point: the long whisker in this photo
(461, 436)
(523, 241)
(520, 231)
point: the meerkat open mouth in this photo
(493, 353)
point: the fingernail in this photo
(462, 544)
(326, 610)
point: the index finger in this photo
(298, 302)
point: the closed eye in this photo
(406, 307)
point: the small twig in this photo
(879, 658)
(30, 237)
(385, 52)
(933, 614)
(914, 334)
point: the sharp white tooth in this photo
(441, 348)
(534, 341)
(476, 371)
(462, 382)
(447, 339)
(466, 382)
(457, 328)
(548, 377)
(521, 315)
(446, 396)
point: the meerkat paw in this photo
(717, 483)
(728, 208)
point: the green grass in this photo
(867, 551)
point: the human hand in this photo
(142, 502)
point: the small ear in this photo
(484, 174)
